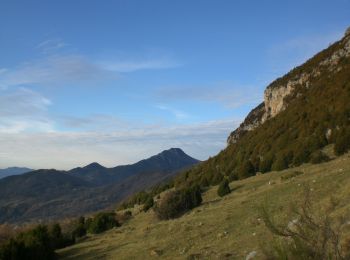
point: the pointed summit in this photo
(94, 166)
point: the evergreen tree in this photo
(224, 188)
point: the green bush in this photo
(79, 229)
(176, 203)
(318, 157)
(224, 188)
(58, 239)
(101, 222)
(148, 204)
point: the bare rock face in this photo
(275, 95)
(252, 121)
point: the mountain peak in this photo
(94, 166)
(176, 151)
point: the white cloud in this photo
(68, 150)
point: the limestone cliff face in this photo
(276, 93)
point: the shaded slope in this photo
(168, 161)
(52, 194)
(13, 171)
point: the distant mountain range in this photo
(13, 171)
(51, 194)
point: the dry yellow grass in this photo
(221, 228)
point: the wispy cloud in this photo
(130, 66)
(59, 69)
(51, 45)
(177, 113)
(93, 122)
(24, 110)
(229, 95)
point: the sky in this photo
(117, 81)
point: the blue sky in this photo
(118, 81)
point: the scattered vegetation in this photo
(307, 234)
(143, 197)
(175, 203)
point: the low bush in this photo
(148, 204)
(175, 203)
(291, 175)
(101, 222)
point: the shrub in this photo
(101, 222)
(224, 188)
(318, 157)
(148, 204)
(291, 175)
(80, 228)
(307, 235)
(176, 203)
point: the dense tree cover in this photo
(37, 243)
(177, 202)
(42, 241)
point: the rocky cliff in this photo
(277, 93)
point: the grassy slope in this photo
(221, 228)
